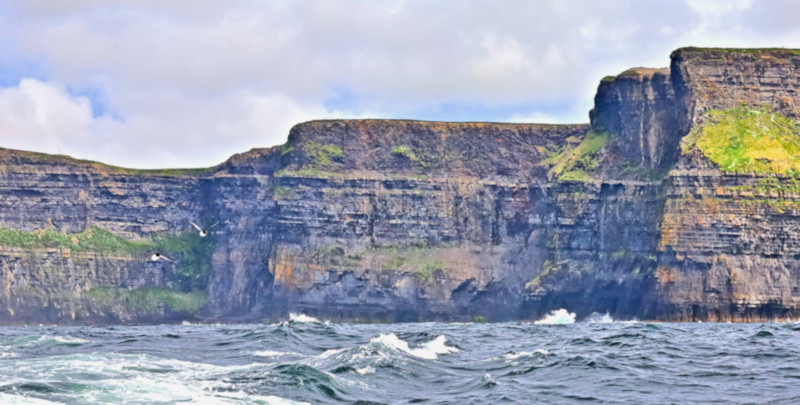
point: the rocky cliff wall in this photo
(718, 79)
(644, 213)
(640, 108)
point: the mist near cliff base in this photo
(306, 360)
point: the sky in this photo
(187, 83)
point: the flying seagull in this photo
(158, 256)
(203, 232)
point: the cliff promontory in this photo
(679, 201)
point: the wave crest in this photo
(302, 318)
(557, 317)
(428, 351)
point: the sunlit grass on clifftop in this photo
(745, 140)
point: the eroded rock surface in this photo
(385, 220)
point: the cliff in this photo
(679, 201)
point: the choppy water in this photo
(304, 361)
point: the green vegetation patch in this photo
(576, 164)
(92, 240)
(422, 260)
(192, 256)
(150, 299)
(418, 156)
(742, 140)
(406, 152)
(286, 148)
(322, 155)
(190, 252)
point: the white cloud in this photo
(35, 114)
(43, 116)
(192, 81)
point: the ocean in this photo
(304, 360)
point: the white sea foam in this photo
(146, 378)
(67, 340)
(272, 353)
(365, 370)
(428, 350)
(600, 318)
(516, 355)
(557, 317)
(9, 399)
(48, 339)
(302, 318)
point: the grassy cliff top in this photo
(687, 51)
(433, 125)
(637, 73)
(743, 139)
(13, 156)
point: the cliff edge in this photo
(679, 201)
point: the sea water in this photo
(304, 360)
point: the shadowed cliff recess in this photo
(679, 201)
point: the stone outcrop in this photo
(388, 220)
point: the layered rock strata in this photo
(385, 220)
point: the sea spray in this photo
(600, 318)
(428, 350)
(557, 317)
(302, 318)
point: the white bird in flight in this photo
(158, 256)
(203, 232)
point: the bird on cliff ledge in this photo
(203, 232)
(158, 256)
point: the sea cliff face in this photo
(661, 208)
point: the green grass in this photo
(420, 259)
(150, 299)
(331, 251)
(191, 253)
(409, 154)
(286, 148)
(121, 170)
(427, 268)
(547, 268)
(322, 155)
(743, 140)
(92, 240)
(577, 163)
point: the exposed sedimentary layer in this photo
(678, 202)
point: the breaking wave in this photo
(297, 363)
(557, 317)
(429, 350)
(302, 318)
